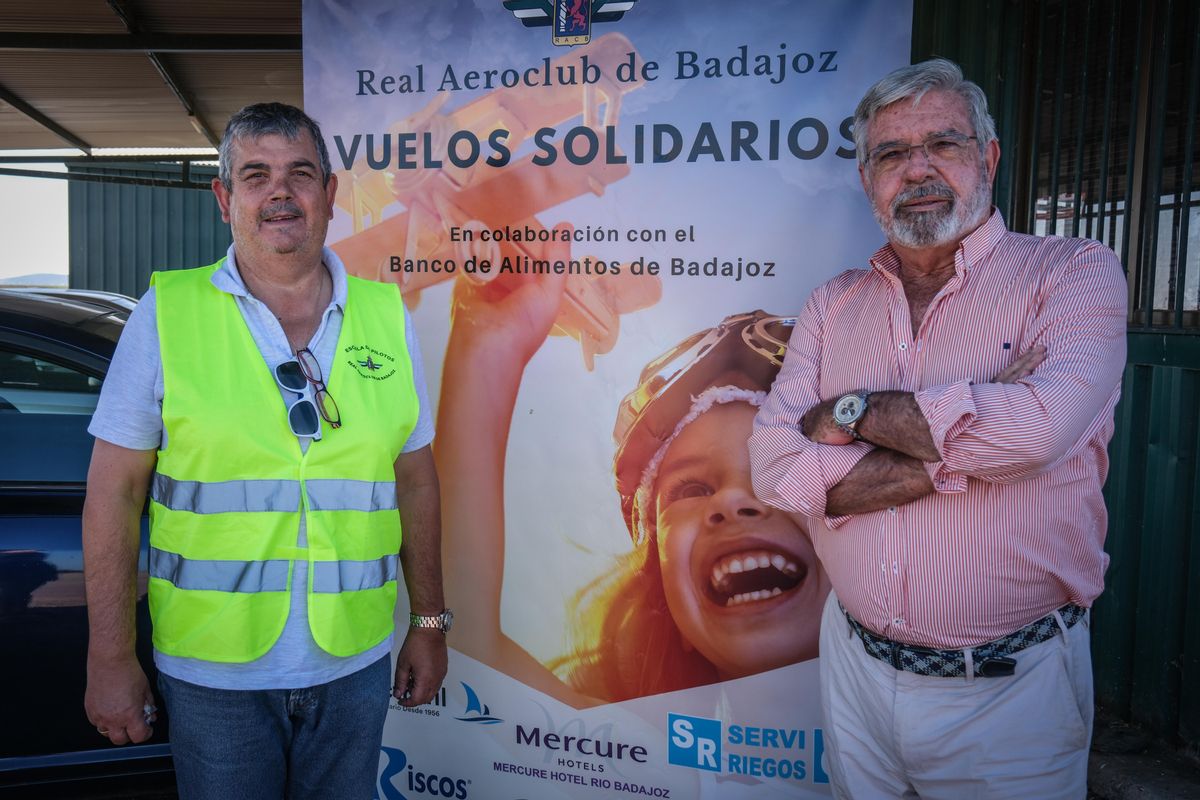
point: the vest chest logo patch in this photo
(369, 362)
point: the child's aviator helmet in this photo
(744, 350)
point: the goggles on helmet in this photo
(750, 346)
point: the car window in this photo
(35, 385)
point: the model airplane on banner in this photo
(440, 203)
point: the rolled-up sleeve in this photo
(1004, 433)
(788, 470)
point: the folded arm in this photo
(1011, 429)
(792, 471)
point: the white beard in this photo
(934, 228)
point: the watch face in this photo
(848, 409)
(447, 620)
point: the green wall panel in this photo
(120, 233)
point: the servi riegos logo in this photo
(570, 21)
(789, 754)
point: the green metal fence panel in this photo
(121, 233)
(1114, 622)
(1162, 577)
(1147, 641)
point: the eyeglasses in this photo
(295, 376)
(944, 149)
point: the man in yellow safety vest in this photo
(276, 511)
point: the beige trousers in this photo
(891, 734)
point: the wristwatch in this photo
(439, 622)
(848, 411)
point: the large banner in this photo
(602, 215)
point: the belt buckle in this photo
(996, 667)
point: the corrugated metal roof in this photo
(108, 96)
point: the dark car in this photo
(54, 353)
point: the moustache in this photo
(280, 208)
(928, 190)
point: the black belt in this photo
(990, 660)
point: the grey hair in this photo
(264, 119)
(914, 81)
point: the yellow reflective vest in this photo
(230, 487)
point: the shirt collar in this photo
(971, 250)
(228, 279)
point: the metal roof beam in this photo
(152, 42)
(41, 119)
(167, 75)
(165, 158)
(184, 182)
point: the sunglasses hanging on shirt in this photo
(304, 416)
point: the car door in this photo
(48, 391)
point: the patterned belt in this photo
(990, 660)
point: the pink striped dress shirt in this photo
(1016, 526)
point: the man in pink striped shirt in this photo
(941, 419)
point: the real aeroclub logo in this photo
(570, 21)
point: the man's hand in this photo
(116, 700)
(420, 667)
(818, 425)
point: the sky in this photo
(33, 224)
(34, 230)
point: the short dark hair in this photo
(263, 119)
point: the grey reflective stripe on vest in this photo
(201, 497)
(330, 577)
(333, 494)
(219, 576)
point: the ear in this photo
(862, 177)
(222, 194)
(991, 158)
(331, 193)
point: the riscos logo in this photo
(477, 711)
(570, 20)
(698, 742)
(425, 784)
